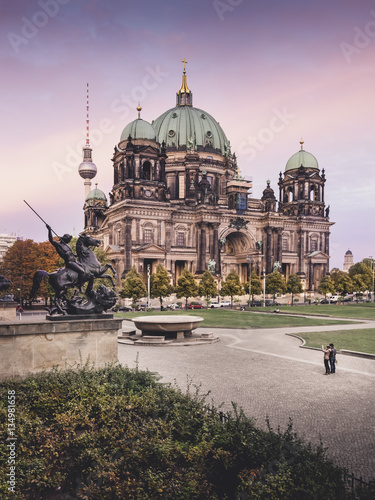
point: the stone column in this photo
(110, 234)
(128, 244)
(168, 235)
(177, 187)
(215, 246)
(327, 244)
(280, 246)
(269, 250)
(158, 239)
(301, 251)
(187, 184)
(201, 264)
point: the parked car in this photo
(141, 307)
(215, 304)
(225, 303)
(332, 300)
(270, 302)
(256, 303)
(196, 305)
(173, 306)
(125, 309)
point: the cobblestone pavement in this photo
(268, 374)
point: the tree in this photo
(207, 286)
(22, 260)
(186, 286)
(256, 286)
(359, 284)
(275, 283)
(363, 270)
(133, 286)
(343, 284)
(294, 285)
(160, 285)
(326, 286)
(231, 286)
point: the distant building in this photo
(6, 241)
(178, 199)
(348, 261)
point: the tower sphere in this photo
(87, 170)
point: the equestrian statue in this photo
(79, 269)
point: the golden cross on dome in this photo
(185, 62)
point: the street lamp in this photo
(148, 284)
(249, 263)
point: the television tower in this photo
(87, 169)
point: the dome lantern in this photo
(184, 95)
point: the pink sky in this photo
(248, 62)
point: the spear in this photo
(41, 218)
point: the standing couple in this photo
(329, 358)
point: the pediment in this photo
(151, 248)
(318, 256)
(113, 249)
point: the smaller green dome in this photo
(97, 195)
(302, 159)
(138, 129)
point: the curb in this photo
(345, 352)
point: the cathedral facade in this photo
(178, 199)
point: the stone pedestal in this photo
(30, 347)
(8, 311)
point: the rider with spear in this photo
(63, 249)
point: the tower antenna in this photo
(87, 117)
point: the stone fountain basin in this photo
(167, 324)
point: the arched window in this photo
(146, 171)
(290, 194)
(117, 235)
(314, 242)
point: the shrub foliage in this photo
(116, 433)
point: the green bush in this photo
(116, 433)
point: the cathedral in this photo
(178, 199)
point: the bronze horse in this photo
(65, 278)
(5, 284)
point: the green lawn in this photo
(360, 311)
(352, 340)
(225, 318)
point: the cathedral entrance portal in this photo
(180, 265)
(238, 246)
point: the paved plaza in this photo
(268, 374)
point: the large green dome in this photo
(138, 129)
(183, 126)
(302, 158)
